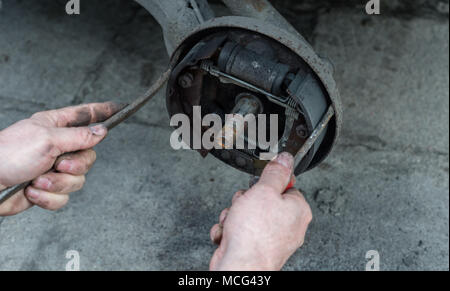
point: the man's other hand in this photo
(54, 150)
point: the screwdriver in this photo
(110, 123)
(306, 146)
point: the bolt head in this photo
(301, 131)
(186, 80)
(241, 162)
(225, 155)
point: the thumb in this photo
(277, 174)
(72, 139)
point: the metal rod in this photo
(110, 123)
(123, 114)
(217, 73)
(308, 143)
(313, 137)
(8, 192)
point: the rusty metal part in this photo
(261, 10)
(313, 137)
(300, 155)
(178, 18)
(186, 80)
(304, 90)
(207, 88)
(208, 67)
(252, 67)
(301, 131)
(291, 116)
(110, 123)
(197, 10)
(235, 126)
(320, 67)
(183, 22)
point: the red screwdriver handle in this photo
(291, 183)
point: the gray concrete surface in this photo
(147, 207)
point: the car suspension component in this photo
(255, 62)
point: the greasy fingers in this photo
(46, 200)
(71, 139)
(64, 124)
(78, 163)
(81, 115)
(29, 149)
(59, 183)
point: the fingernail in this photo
(65, 166)
(43, 183)
(98, 130)
(285, 159)
(32, 194)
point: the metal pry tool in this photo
(303, 151)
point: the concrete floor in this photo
(385, 187)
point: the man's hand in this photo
(54, 149)
(264, 226)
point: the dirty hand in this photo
(32, 149)
(265, 225)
